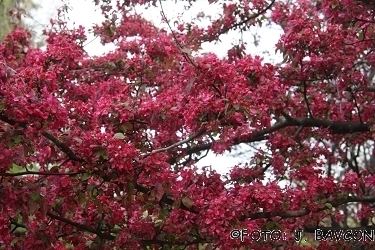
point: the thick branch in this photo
(81, 227)
(39, 173)
(305, 211)
(370, 89)
(63, 147)
(336, 127)
(369, 3)
(10, 121)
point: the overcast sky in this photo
(84, 12)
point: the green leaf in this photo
(271, 225)
(101, 154)
(145, 214)
(20, 230)
(16, 169)
(2, 106)
(85, 177)
(126, 127)
(361, 35)
(187, 202)
(119, 136)
(237, 107)
(35, 196)
(163, 214)
(328, 205)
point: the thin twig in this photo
(356, 106)
(226, 29)
(306, 100)
(192, 137)
(179, 45)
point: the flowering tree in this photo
(101, 152)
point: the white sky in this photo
(84, 12)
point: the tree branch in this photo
(179, 45)
(306, 99)
(40, 173)
(305, 211)
(336, 127)
(370, 89)
(251, 17)
(63, 147)
(81, 227)
(190, 138)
